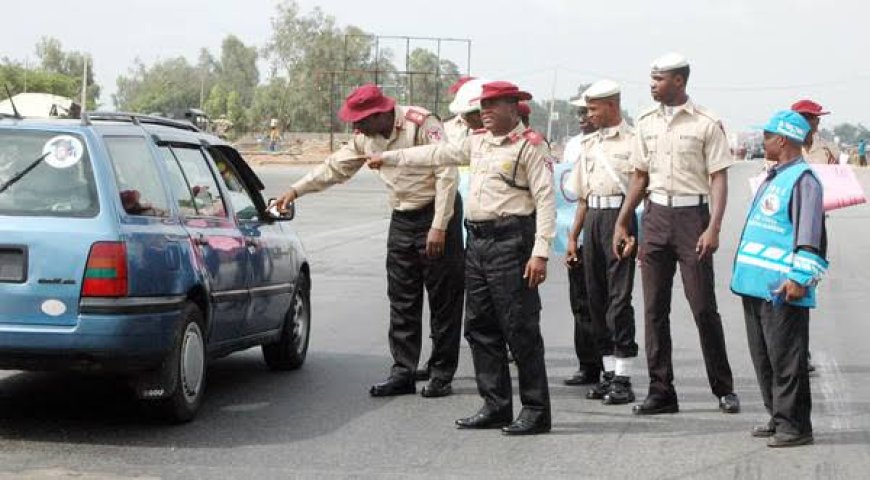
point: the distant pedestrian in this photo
(816, 149)
(862, 153)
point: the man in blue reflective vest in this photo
(780, 259)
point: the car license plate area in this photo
(13, 264)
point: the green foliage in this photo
(168, 86)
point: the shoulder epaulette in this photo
(533, 137)
(707, 113)
(416, 115)
(648, 112)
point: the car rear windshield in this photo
(45, 174)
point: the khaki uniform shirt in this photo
(822, 151)
(680, 151)
(408, 189)
(614, 145)
(457, 130)
(492, 160)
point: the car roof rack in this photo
(136, 119)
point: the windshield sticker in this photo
(63, 151)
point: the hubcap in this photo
(192, 362)
(300, 322)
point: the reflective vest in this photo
(766, 255)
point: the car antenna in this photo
(14, 110)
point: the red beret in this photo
(810, 107)
(459, 83)
(502, 90)
(364, 101)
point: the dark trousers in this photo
(502, 311)
(670, 236)
(778, 344)
(585, 337)
(409, 270)
(609, 282)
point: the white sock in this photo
(609, 362)
(623, 367)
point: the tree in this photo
(169, 87)
(851, 134)
(238, 69)
(424, 85)
(53, 59)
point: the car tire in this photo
(184, 369)
(290, 351)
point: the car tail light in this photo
(106, 270)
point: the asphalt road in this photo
(320, 422)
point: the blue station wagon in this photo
(140, 245)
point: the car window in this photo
(46, 174)
(138, 178)
(206, 194)
(243, 204)
(177, 183)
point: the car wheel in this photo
(289, 352)
(184, 369)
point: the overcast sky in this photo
(749, 57)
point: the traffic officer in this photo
(588, 357)
(781, 258)
(681, 165)
(606, 167)
(466, 109)
(424, 246)
(816, 149)
(511, 221)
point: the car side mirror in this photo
(277, 216)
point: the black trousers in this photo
(778, 344)
(502, 311)
(409, 270)
(609, 282)
(670, 236)
(585, 336)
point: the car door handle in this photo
(199, 239)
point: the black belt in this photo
(499, 226)
(415, 214)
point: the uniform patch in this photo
(507, 165)
(533, 137)
(770, 204)
(435, 133)
(416, 116)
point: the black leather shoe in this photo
(620, 392)
(811, 369)
(485, 418)
(421, 375)
(763, 430)
(529, 424)
(584, 376)
(437, 388)
(599, 391)
(393, 386)
(729, 403)
(779, 440)
(655, 405)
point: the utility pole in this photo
(85, 85)
(552, 103)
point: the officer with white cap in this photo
(606, 167)
(466, 107)
(681, 165)
(588, 358)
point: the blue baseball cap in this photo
(789, 124)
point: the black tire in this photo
(290, 351)
(184, 370)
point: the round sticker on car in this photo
(63, 151)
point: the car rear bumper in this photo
(109, 336)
